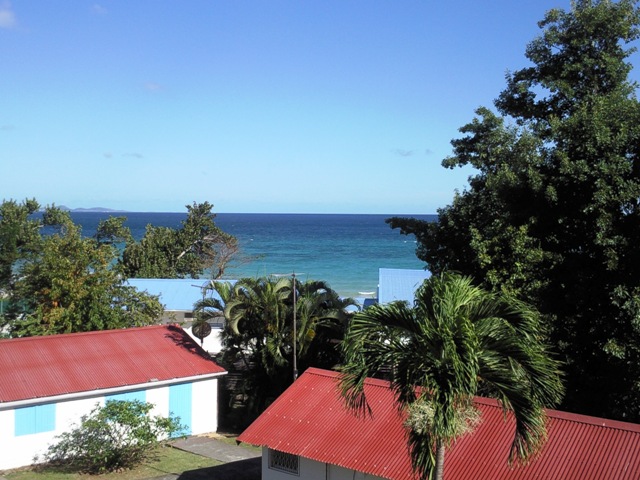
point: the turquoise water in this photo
(344, 250)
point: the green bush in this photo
(118, 436)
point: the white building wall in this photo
(19, 451)
(205, 407)
(312, 470)
(334, 472)
(159, 398)
(22, 450)
(69, 412)
(212, 343)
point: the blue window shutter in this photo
(25, 421)
(127, 396)
(180, 404)
(35, 419)
(46, 417)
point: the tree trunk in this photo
(439, 473)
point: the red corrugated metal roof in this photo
(310, 420)
(36, 367)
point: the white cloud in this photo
(152, 86)
(7, 17)
(99, 9)
(402, 152)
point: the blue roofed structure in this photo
(176, 294)
(397, 284)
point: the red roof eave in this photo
(60, 365)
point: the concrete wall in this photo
(312, 470)
(335, 472)
(21, 450)
(213, 343)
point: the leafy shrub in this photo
(118, 436)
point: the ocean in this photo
(344, 250)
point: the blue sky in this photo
(324, 106)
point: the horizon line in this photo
(108, 210)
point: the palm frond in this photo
(438, 352)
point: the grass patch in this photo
(230, 439)
(169, 461)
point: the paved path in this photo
(210, 446)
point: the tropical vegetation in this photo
(258, 337)
(117, 436)
(455, 342)
(61, 282)
(56, 280)
(199, 246)
(166, 459)
(552, 212)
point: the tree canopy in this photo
(199, 245)
(59, 281)
(552, 214)
(63, 282)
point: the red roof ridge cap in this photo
(334, 374)
(81, 334)
(601, 422)
(572, 417)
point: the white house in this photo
(178, 296)
(48, 383)
(308, 433)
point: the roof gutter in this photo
(151, 383)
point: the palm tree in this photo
(259, 329)
(322, 317)
(455, 342)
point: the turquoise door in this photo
(180, 399)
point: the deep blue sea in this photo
(344, 250)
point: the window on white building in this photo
(285, 462)
(35, 419)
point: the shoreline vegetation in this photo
(345, 250)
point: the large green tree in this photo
(19, 236)
(552, 214)
(199, 245)
(259, 330)
(62, 282)
(457, 341)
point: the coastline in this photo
(344, 250)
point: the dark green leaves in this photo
(552, 214)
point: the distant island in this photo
(95, 209)
(92, 209)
